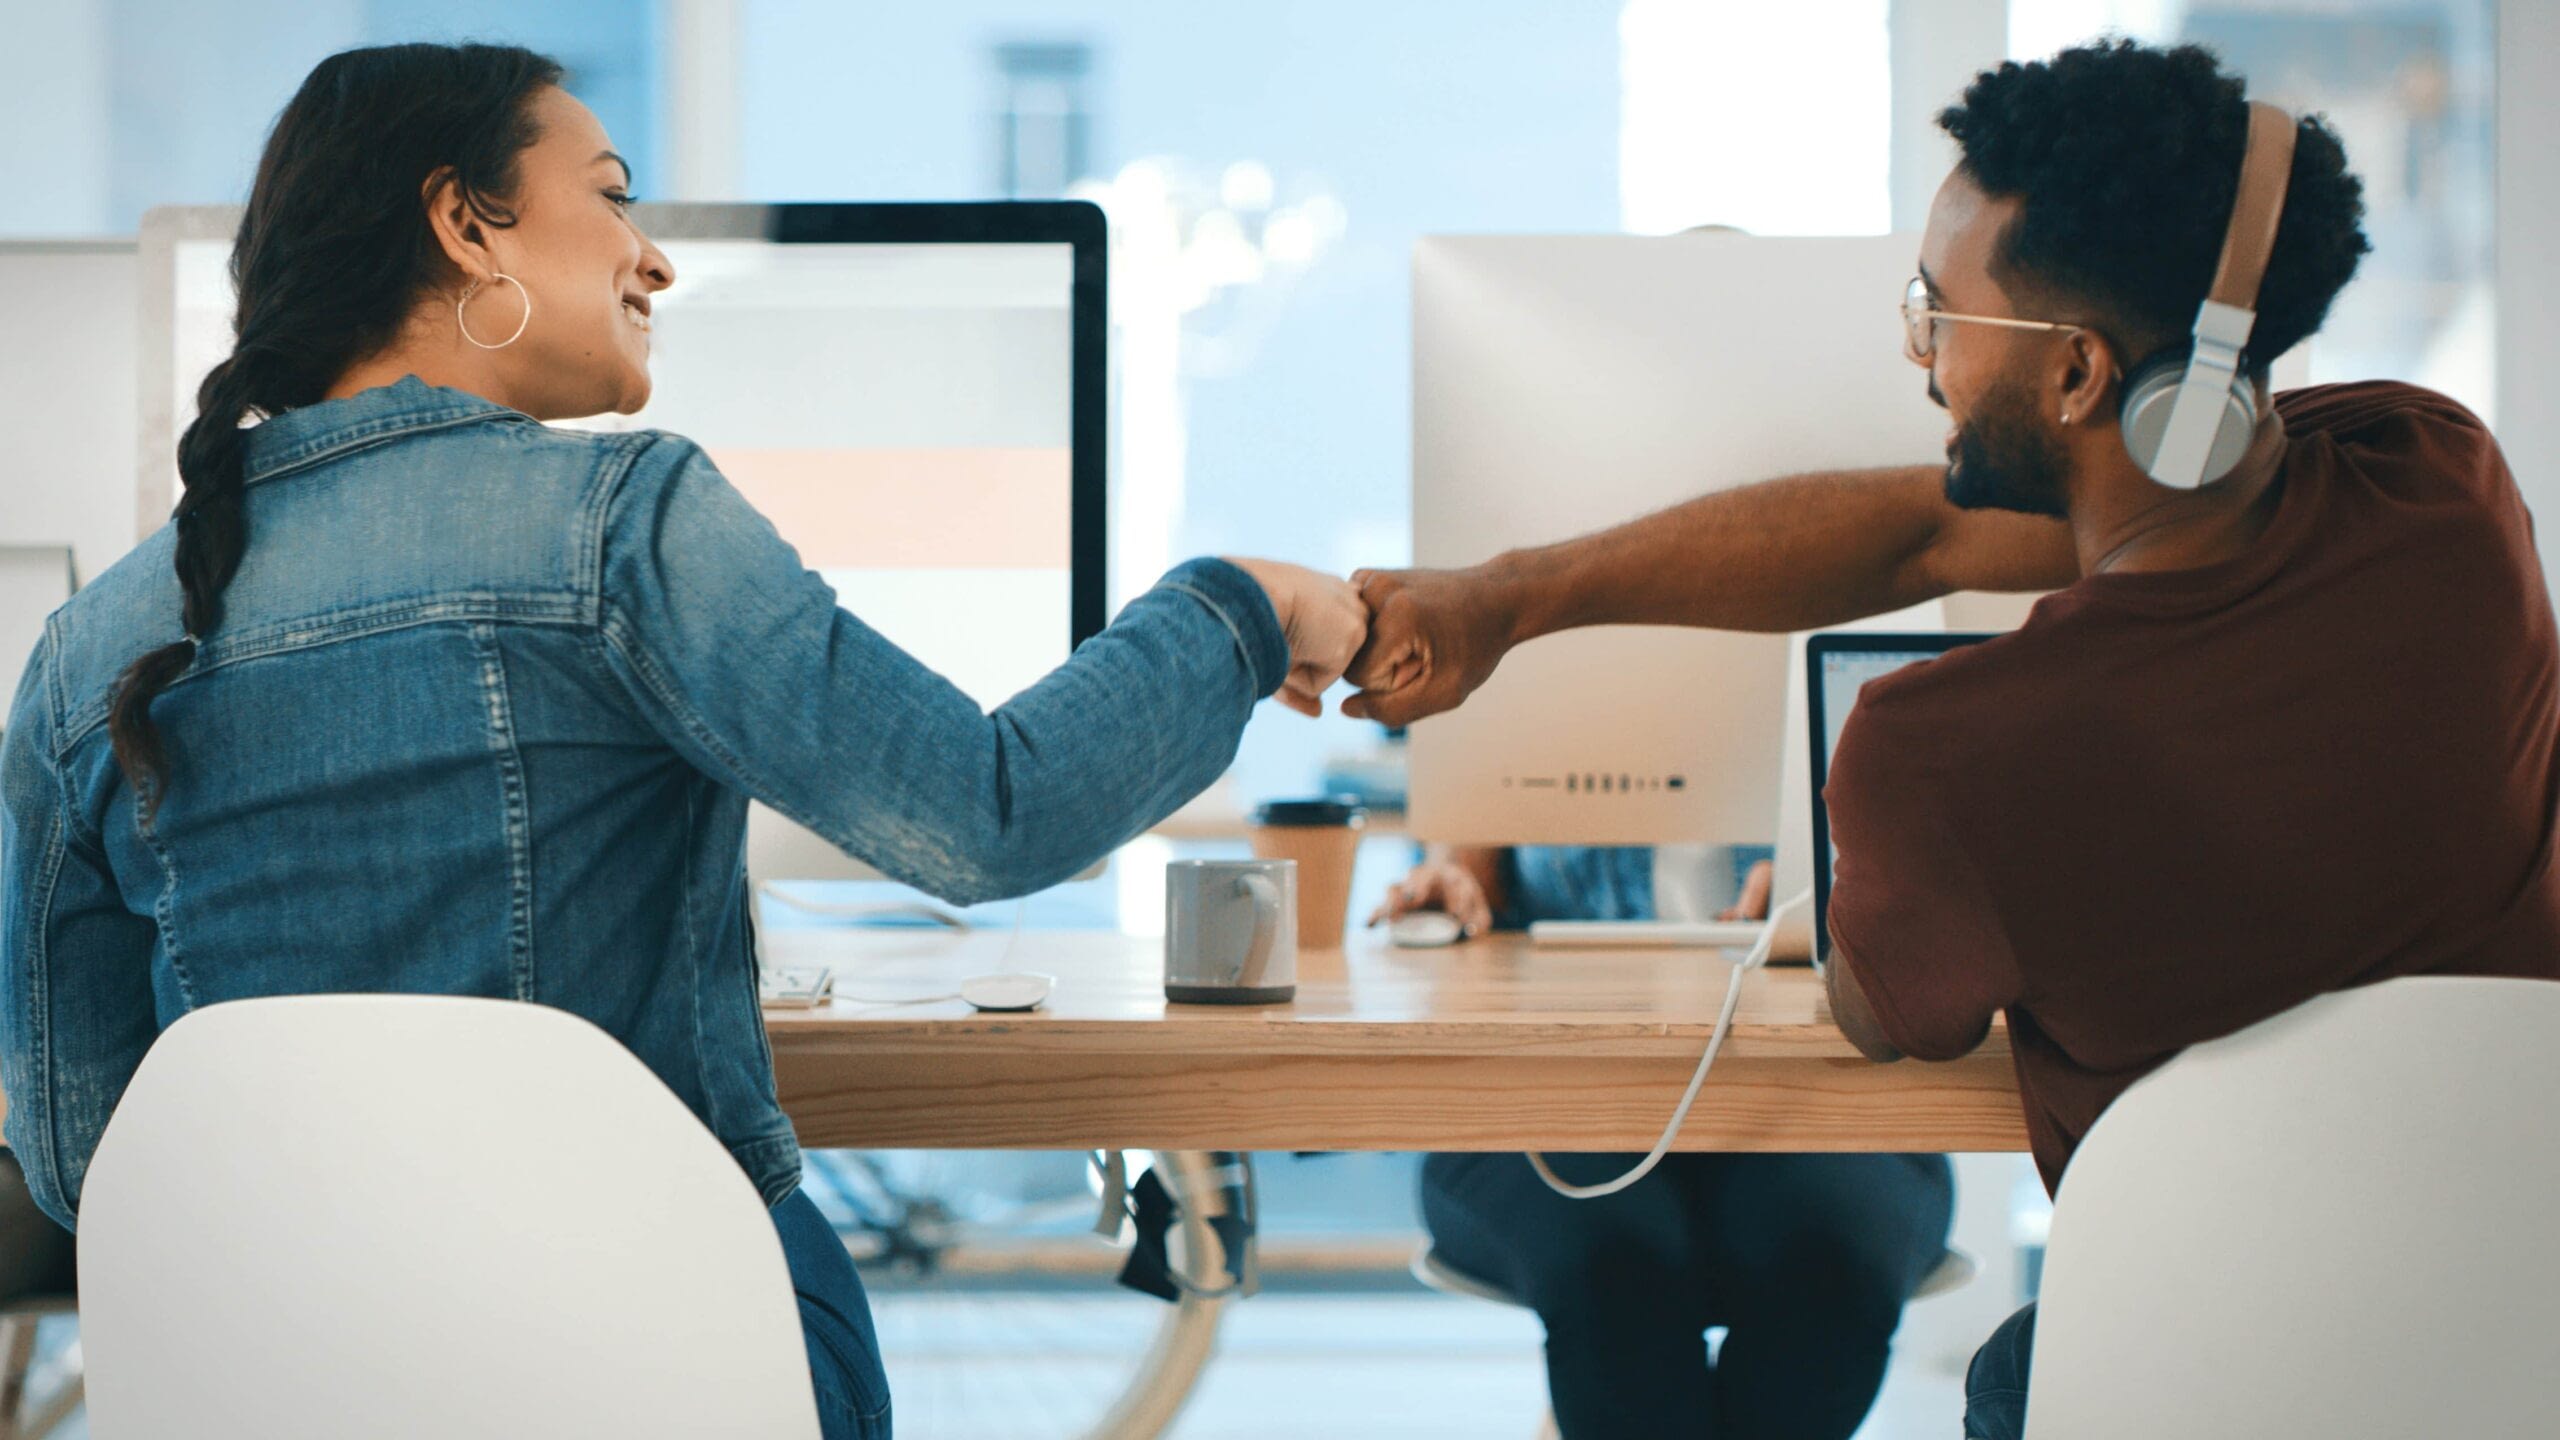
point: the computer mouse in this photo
(1007, 992)
(1425, 930)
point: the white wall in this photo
(2528, 262)
(67, 386)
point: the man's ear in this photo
(460, 233)
(2085, 385)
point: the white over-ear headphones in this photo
(2189, 417)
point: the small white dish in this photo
(1021, 991)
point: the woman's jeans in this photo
(1995, 1389)
(835, 1316)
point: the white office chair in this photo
(2334, 1223)
(1955, 1269)
(407, 1217)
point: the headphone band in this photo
(2188, 427)
(2266, 172)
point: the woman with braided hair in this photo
(418, 694)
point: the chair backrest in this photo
(2337, 1223)
(413, 1216)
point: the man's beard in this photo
(2004, 459)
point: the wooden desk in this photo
(1487, 1046)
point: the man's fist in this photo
(1434, 636)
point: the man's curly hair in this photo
(2127, 160)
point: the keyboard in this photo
(1644, 934)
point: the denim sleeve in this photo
(76, 1011)
(744, 661)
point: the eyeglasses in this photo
(1920, 317)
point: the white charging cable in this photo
(1753, 959)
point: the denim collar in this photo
(304, 437)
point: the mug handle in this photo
(1266, 927)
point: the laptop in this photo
(1837, 664)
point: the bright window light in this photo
(1776, 119)
(2037, 31)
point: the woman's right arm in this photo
(744, 661)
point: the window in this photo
(1044, 133)
(2409, 87)
(1817, 137)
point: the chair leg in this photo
(17, 1355)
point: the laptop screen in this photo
(1837, 666)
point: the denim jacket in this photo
(483, 717)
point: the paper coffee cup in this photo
(1323, 836)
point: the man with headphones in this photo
(2291, 722)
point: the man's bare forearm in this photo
(1793, 554)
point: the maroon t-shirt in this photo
(2174, 804)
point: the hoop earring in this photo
(465, 326)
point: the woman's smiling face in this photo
(586, 269)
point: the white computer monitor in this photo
(1567, 383)
(34, 581)
(913, 393)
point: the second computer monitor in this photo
(913, 395)
(1564, 384)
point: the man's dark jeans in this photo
(1805, 1260)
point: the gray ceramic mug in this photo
(1231, 932)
